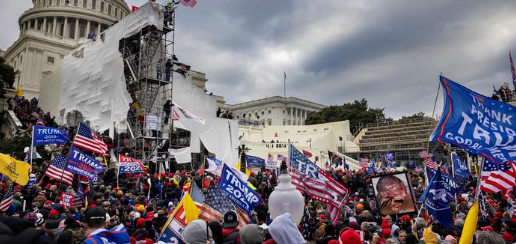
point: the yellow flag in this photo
(238, 166)
(19, 92)
(470, 225)
(187, 208)
(16, 170)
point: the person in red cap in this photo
(349, 236)
(140, 233)
(53, 219)
(508, 237)
(321, 227)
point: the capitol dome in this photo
(51, 29)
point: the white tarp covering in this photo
(219, 136)
(182, 156)
(94, 84)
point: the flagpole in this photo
(433, 114)
(117, 171)
(31, 147)
(284, 84)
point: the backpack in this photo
(77, 236)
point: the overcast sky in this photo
(335, 51)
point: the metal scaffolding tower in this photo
(149, 83)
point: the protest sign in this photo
(460, 168)
(152, 122)
(394, 194)
(238, 191)
(48, 135)
(130, 165)
(478, 124)
(82, 164)
(77, 201)
(66, 200)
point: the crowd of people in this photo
(29, 113)
(143, 203)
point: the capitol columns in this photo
(76, 36)
(88, 26)
(54, 26)
(44, 29)
(66, 28)
(36, 24)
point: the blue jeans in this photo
(167, 75)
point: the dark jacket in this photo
(230, 236)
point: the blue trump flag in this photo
(437, 200)
(253, 161)
(452, 186)
(43, 135)
(459, 167)
(238, 191)
(476, 123)
(372, 167)
(83, 164)
(302, 164)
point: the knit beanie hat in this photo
(385, 224)
(349, 236)
(508, 237)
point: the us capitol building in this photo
(53, 28)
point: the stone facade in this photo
(51, 29)
(273, 111)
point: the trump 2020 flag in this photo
(302, 164)
(238, 191)
(460, 168)
(82, 164)
(214, 166)
(437, 200)
(476, 123)
(48, 135)
(253, 161)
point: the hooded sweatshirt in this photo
(195, 232)
(284, 231)
(251, 234)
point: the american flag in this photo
(56, 170)
(324, 189)
(430, 163)
(86, 139)
(281, 158)
(188, 3)
(308, 154)
(498, 177)
(216, 204)
(175, 115)
(7, 199)
(270, 158)
(364, 162)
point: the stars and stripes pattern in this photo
(7, 199)
(498, 177)
(363, 162)
(324, 189)
(87, 140)
(57, 170)
(216, 204)
(175, 115)
(432, 164)
(281, 158)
